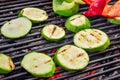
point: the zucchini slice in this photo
(6, 64)
(16, 28)
(36, 15)
(71, 58)
(115, 20)
(65, 8)
(92, 40)
(38, 64)
(53, 32)
(77, 23)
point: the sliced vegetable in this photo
(36, 15)
(16, 28)
(96, 8)
(38, 64)
(71, 58)
(77, 23)
(115, 20)
(65, 8)
(53, 32)
(92, 40)
(6, 64)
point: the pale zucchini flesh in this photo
(77, 22)
(6, 64)
(38, 64)
(92, 40)
(16, 28)
(36, 15)
(53, 32)
(71, 58)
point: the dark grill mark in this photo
(75, 18)
(71, 60)
(82, 35)
(54, 29)
(35, 66)
(97, 32)
(81, 54)
(22, 11)
(47, 62)
(95, 36)
(65, 49)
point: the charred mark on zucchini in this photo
(64, 50)
(85, 58)
(35, 66)
(53, 31)
(95, 36)
(9, 23)
(22, 11)
(43, 13)
(97, 32)
(75, 18)
(47, 62)
(81, 54)
(82, 35)
(34, 58)
(71, 60)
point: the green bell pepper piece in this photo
(65, 8)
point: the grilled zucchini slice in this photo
(92, 40)
(53, 32)
(6, 64)
(71, 58)
(36, 15)
(65, 8)
(77, 23)
(38, 64)
(16, 28)
(115, 20)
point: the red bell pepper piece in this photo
(96, 8)
(89, 1)
(106, 10)
(115, 10)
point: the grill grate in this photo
(108, 60)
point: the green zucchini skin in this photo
(65, 67)
(37, 73)
(21, 20)
(65, 8)
(32, 20)
(44, 35)
(114, 20)
(84, 23)
(101, 47)
(5, 69)
(80, 1)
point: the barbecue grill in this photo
(103, 65)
